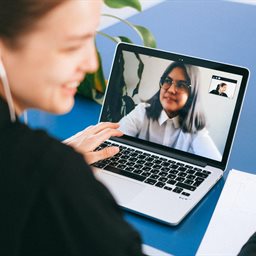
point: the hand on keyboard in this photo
(89, 139)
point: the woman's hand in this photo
(89, 139)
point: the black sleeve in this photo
(249, 249)
(75, 214)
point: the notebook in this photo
(179, 115)
(233, 221)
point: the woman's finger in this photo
(94, 129)
(93, 157)
(94, 141)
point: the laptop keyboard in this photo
(154, 170)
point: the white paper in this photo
(151, 251)
(234, 218)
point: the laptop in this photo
(179, 115)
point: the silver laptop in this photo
(179, 115)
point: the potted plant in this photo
(94, 85)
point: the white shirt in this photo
(166, 131)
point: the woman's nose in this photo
(172, 88)
(90, 62)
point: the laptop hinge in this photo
(160, 151)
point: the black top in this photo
(249, 249)
(216, 92)
(50, 202)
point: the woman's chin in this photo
(63, 108)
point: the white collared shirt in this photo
(166, 131)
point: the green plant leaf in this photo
(124, 3)
(94, 85)
(145, 35)
(112, 38)
(148, 38)
(125, 39)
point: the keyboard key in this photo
(166, 164)
(186, 186)
(122, 161)
(197, 183)
(182, 169)
(171, 182)
(154, 176)
(168, 188)
(99, 165)
(191, 171)
(138, 166)
(146, 168)
(177, 190)
(189, 182)
(165, 169)
(154, 171)
(173, 171)
(191, 177)
(150, 181)
(140, 161)
(171, 176)
(182, 174)
(164, 174)
(160, 184)
(202, 175)
(185, 194)
(157, 161)
(180, 179)
(137, 171)
(146, 174)
(125, 173)
(156, 166)
(162, 179)
(199, 179)
(129, 169)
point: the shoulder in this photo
(141, 107)
(213, 92)
(34, 151)
(137, 113)
(250, 247)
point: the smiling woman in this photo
(51, 203)
(69, 52)
(173, 116)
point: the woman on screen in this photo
(220, 90)
(173, 116)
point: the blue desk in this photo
(218, 30)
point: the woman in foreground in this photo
(51, 204)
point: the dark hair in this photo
(220, 85)
(191, 116)
(20, 16)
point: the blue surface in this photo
(216, 30)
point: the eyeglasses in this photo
(180, 85)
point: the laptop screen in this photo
(180, 103)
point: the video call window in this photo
(140, 82)
(222, 86)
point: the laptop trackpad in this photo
(123, 190)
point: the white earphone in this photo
(7, 91)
